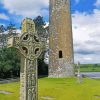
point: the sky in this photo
(85, 23)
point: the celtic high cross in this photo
(30, 47)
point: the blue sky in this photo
(76, 5)
(85, 23)
(83, 5)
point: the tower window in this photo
(60, 54)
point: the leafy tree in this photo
(11, 29)
(2, 29)
(9, 58)
(2, 36)
(43, 35)
(42, 66)
(39, 24)
(9, 63)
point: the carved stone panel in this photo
(30, 48)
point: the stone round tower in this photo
(61, 57)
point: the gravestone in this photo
(79, 77)
(30, 47)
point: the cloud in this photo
(4, 17)
(27, 8)
(18, 31)
(87, 51)
(2, 24)
(92, 42)
(86, 30)
(77, 1)
(47, 24)
(97, 4)
(86, 34)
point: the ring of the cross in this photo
(30, 46)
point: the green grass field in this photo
(58, 89)
(89, 69)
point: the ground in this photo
(90, 69)
(57, 89)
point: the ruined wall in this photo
(61, 42)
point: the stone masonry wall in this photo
(60, 40)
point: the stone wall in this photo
(61, 42)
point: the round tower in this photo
(61, 57)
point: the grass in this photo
(89, 69)
(59, 89)
(11, 87)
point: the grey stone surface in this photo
(2, 81)
(4, 92)
(61, 40)
(30, 47)
(48, 98)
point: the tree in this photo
(2, 36)
(42, 66)
(39, 24)
(11, 29)
(9, 58)
(9, 63)
(43, 35)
